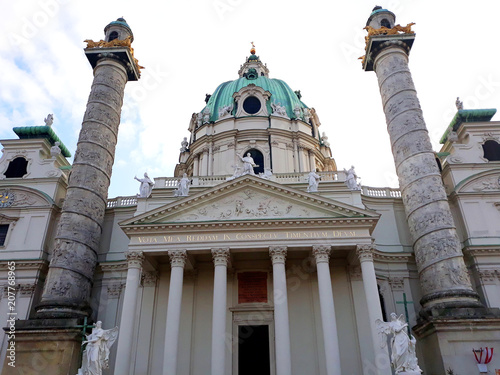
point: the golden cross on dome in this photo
(252, 51)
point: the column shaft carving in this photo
(79, 231)
(438, 252)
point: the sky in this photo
(190, 47)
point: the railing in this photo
(283, 178)
(122, 202)
(380, 192)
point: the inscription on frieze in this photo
(245, 236)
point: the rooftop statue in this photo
(279, 109)
(352, 179)
(49, 120)
(55, 150)
(183, 186)
(313, 179)
(146, 186)
(403, 357)
(459, 104)
(96, 354)
(184, 145)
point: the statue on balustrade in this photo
(248, 164)
(313, 179)
(146, 186)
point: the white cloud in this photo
(188, 50)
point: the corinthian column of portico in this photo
(330, 335)
(443, 275)
(365, 255)
(127, 321)
(281, 323)
(220, 257)
(177, 262)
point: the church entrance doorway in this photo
(253, 350)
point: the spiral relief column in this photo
(67, 288)
(443, 275)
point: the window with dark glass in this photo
(113, 36)
(491, 150)
(17, 168)
(251, 105)
(3, 233)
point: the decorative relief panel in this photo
(249, 204)
(483, 184)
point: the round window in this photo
(251, 105)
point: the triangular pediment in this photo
(248, 198)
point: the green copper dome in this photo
(119, 22)
(280, 93)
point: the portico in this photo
(246, 274)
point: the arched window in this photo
(113, 36)
(385, 23)
(258, 159)
(491, 150)
(17, 168)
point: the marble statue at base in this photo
(403, 355)
(96, 355)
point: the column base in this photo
(45, 346)
(450, 299)
(446, 340)
(53, 309)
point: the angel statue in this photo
(403, 356)
(96, 354)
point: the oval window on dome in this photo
(251, 105)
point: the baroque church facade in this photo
(259, 255)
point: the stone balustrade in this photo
(282, 178)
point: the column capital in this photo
(149, 278)
(177, 258)
(278, 254)
(134, 259)
(365, 253)
(220, 256)
(322, 253)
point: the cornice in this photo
(269, 223)
(28, 264)
(392, 257)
